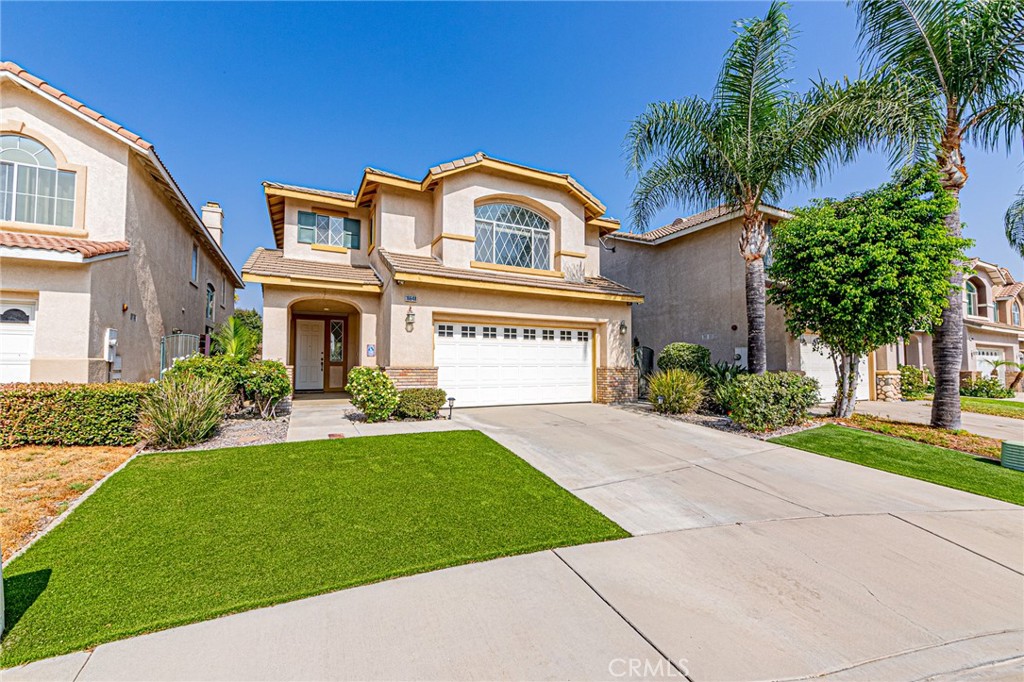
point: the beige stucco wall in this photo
(695, 292)
(407, 219)
(294, 249)
(78, 302)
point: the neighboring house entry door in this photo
(309, 355)
(17, 340)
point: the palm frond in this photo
(671, 129)
(1001, 122)
(693, 180)
(1014, 221)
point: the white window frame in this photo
(9, 205)
(972, 298)
(537, 261)
(1015, 314)
(194, 266)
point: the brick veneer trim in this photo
(412, 377)
(616, 384)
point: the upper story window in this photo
(194, 273)
(32, 190)
(972, 298)
(211, 296)
(328, 230)
(1015, 314)
(507, 234)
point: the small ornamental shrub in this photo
(70, 414)
(676, 391)
(984, 387)
(266, 382)
(373, 392)
(183, 409)
(420, 403)
(765, 402)
(686, 356)
(913, 382)
(719, 376)
(221, 366)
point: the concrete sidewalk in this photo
(318, 416)
(751, 561)
(920, 411)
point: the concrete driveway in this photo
(750, 562)
(920, 412)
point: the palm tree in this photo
(756, 138)
(971, 54)
(234, 340)
(1015, 223)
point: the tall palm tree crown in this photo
(756, 138)
(1014, 221)
(970, 55)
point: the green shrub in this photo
(685, 356)
(420, 403)
(984, 387)
(235, 340)
(765, 402)
(70, 414)
(676, 391)
(913, 382)
(266, 382)
(719, 376)
(219, 366)
(183, 409)
(372, 392)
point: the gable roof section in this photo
(697, 221)
(157, 170)
(84, 249)
(374, 178)
(429, 270)
(269, 266)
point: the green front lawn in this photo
(950, 468)
(181, 537)
(1000, 408)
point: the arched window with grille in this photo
(972, 298)
(32, 188)
(509, 234)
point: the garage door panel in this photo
(818, 365)
(17, 340)
(498, 365)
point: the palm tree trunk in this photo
(948, 337)
(753, 245)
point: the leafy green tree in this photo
(756, 138)
(867, 270)
(234, 340)
(969, 54)
(1015, 223)
(253, 321)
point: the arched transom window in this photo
(32, 189)
(1015, 314)
(507, 234)
(972, 298)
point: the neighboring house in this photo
(693, 279)
(101, 255)
(482, 278)
(993, 303)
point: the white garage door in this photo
(987, 359)
(819, 365)
(479, 364)
(17, 339)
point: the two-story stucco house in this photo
(482, 278)
(693, 277)
(101, 255)
(993, 304)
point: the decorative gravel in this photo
(246, 428)
(716, 421)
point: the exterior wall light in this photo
(451, 405)
(410, 320)
(623, 328)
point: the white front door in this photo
(491, 364)
(817, 364)
(17, 340)
(309, 355)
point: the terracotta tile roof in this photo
(683, 224)
(13, 68)
(310, 190)
(273, 263)
(427, 265)
(87, 247)
(388, 174)
(1009, 290)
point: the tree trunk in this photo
(948, 336)
(753, 244)
(846, 393)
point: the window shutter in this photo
(307, 227)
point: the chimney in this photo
(213, 218)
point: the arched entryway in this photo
(323, 343)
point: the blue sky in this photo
(235, 93)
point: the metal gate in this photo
(175, 347)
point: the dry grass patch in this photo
(943, 438)
(38, 482)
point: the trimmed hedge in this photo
(689, 357)
(765, 402)
(420, 403)
(373, 392)
(70, 414)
